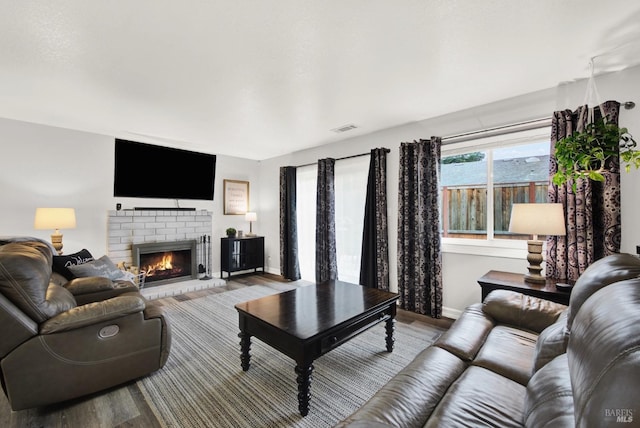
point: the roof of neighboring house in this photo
(517, 170)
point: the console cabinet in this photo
(238, 254)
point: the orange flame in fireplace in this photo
(164, 264)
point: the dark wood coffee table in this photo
(310, 321)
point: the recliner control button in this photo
(109, 331)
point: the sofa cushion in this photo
(480, 398)
(25, 269)
(410, 397)
(367, 424)
(508, 351)
(604, 356)
(91, 284)
(521, 310)
(549, 400)
(613, 268)
(552, 342)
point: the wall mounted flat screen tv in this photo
(149, 171)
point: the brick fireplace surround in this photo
(127, 227)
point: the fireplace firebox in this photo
(166, 262)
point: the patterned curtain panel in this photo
(419, 258)
(592, 213)
(326, 262)
(289, 267)
(374, 260)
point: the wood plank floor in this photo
(125, 406)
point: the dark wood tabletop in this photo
(316, 308)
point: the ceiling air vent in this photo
(344, 128)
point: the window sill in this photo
(495, 248)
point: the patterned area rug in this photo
(203, 385)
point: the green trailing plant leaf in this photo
(584, 155)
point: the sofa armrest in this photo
(93, 313)
(95, 289)
(520, 310)
(88, 284)
(153, 311)
(467, 334)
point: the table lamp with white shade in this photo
(250, 217)
(55, 218)
(536, 219)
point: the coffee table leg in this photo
(304, 387)
(390, 328)
(245, 345)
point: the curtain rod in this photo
(498, 130)
(346, 157)
(519, 126)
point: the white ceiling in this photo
(262, 78)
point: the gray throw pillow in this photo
(101, 267)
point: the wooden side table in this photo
(496, 280)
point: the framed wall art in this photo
(236, 197)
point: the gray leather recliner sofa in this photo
(54, 349)
(516, 360)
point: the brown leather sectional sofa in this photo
(59, 342)
(516, 361)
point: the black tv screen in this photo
(149, 171)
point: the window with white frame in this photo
(482, 178)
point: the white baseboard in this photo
(451, 313)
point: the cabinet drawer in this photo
(338, 336)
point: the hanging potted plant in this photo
(585, 154)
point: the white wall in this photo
(47, 166)
(460, 271)
(44, 166)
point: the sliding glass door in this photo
(350, 188)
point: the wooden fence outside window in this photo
(464, 208)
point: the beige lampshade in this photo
(251, 216)
(55, 218)
(537, 219)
